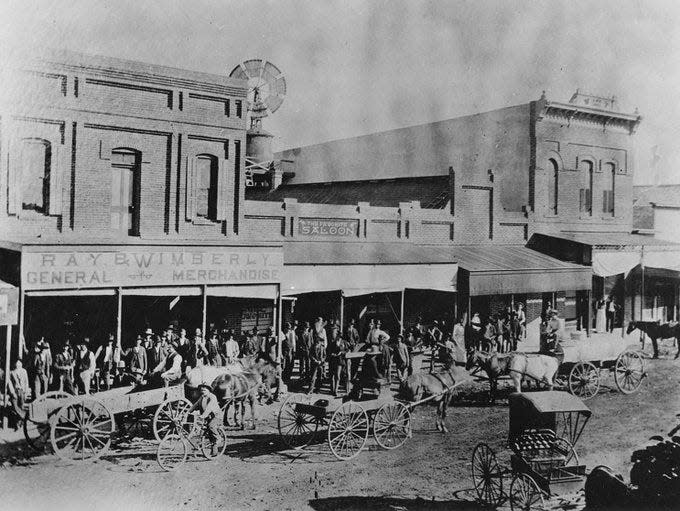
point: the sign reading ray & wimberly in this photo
(131, 266)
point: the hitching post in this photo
(119, 314)
(204, 289)
(401, 311)
(342, 312)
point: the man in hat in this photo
(110, 360)
(231, 348)
(250, 345)
(288, 349)
(63, 364)
(148, 339)
(209, 410)
(138, 361)
(213, 348)
(198, 349)
(85, 365)
(317, 360)
(370, 374)
(156, 354)
(304, 350)
(352, 335)
(18, 388)
(385, 363)
(402, 358)
(171, 366)
(39, 370)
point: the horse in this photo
(417, 386)
(656, 331)
(240, 387)
(517, 365)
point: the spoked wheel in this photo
(487, 476)
(37, 427)
(584, 380)
(392, 425)
(629, 371)
(220, 446)
(172, 452)
(82, 430)
(169, 417)
(566, 449)
(297, 427)
(348, 431)
(525, 495)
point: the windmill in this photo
(266, 92)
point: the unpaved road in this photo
(431, 471)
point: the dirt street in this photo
(431, 471)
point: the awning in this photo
(73, 292)
(364, 268)
(163, 291)
(508, 269)
(265, 291)
(355, 280)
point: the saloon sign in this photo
(157, 266)
(323, 227)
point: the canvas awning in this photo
(364, 268)
(508, 269)
(265, 291)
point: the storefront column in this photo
(589, 325)
(279, 311)
(119, 316)
(204, 312)
(342, 312)
(469, 309)
(8, 354)
(401, 312)
(22, 341)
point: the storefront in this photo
(73, 291)
(393, 282)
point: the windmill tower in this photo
(266, 91)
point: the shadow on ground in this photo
(390, 504)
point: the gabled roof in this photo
(431, 191)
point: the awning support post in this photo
(279, 312)
(588, 313)
(119, 315)
(8, 354)
(401, 311)
(469, 309)
(342, 312)
(22, 341)
(204, 311)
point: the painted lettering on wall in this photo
(126, 267)
(323, 227)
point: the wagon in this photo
(80, 428)
(544, 427)
(587, 361)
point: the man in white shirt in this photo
(172, 365)
(231, 349)
(18, 388)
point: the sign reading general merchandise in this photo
(324, 227)
(158, 266)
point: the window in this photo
(125, 184)
(553, 184)
(608, 192)
(206, 186)
(239, 108)
(586, 194)
(36, 162)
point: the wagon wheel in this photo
(348, 431)
(487, 476)
(37, 429)
(220, 445)
(82, 429)
(392, 425)
(525, 495)
(172, 452)
(296, 428)
(566, 449)
(629, 371)
(169, 417)
(584, 380)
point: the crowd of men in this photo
(500, 332)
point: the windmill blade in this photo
(239, 73)
(253, 67)
(273, 103)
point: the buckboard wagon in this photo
(543, 463)
(80, 428)
(301, 419)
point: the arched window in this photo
(36, 164)
(206, 186)
(608, 192)
(125, 191)
(586, 193)
(553, 186)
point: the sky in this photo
(357, 67)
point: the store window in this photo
(586, 193)
(36, 163)
(608, 193)
(206, 186)
(553, 186)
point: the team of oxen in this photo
(246, 381)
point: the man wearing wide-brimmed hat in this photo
(209, 408)
(85, 365)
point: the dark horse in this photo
(656, 331)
